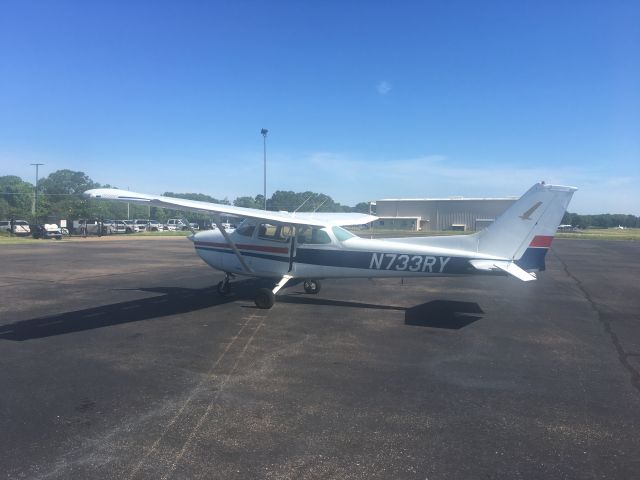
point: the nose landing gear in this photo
(224, 286)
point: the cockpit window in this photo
(313, 235)
(246, 229)
(342, 234)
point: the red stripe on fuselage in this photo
(541, 241)
(257, 248)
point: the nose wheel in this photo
(224, 286)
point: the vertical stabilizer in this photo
(523, 233)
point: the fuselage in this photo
(329, 252)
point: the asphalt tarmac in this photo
(119, 360)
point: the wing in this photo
(298, 218)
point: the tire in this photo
(224, 288)
(312, 286)
(265, 298)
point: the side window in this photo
(313, 235)
(278, 233)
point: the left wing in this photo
(297, 218)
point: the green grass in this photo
(628, 234)
(164, 233)
(6, 239)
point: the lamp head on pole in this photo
(264, 131)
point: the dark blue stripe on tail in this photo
(533, 259)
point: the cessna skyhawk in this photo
(314, 246)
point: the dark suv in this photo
(40, 231)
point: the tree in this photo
(249, 202)
(362, 207)
(16, 197)
(62, 195)
(201, 197)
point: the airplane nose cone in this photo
(199, 236)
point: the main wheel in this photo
(312, 286)
(224, 288)
(265, 298)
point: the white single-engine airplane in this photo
(314, 246)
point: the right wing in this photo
(298, 218)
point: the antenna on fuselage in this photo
(323, 202)
(302, 204)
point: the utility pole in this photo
(34, 209)
(264, 132)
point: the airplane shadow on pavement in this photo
(175, 300)
(446, 314)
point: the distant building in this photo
(439, 214)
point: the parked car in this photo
(174, 224)
(46, 231)
(20, 227)
(91, 227)
(148, 225)
(194, 226)
(122, 226)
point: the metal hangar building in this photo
(439, 214)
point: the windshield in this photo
(342, 234)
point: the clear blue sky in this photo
(363, 100)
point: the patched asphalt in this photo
(119, 360)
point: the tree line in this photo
(60, 197)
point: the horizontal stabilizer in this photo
(510, 267)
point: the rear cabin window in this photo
(278, 233)
(312, 235)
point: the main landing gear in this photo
(312, 286)
(265, 297)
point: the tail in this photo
(523, 233)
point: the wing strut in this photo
(283, 281)
(232, 244)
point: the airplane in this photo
(310, 246)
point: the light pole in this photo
(264, 132)
(34, 210)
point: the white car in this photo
(174, 224)
(20, 227)
(121, 226)
(148, 225)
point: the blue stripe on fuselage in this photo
(265, 256)
(365, 260)
(383, 261)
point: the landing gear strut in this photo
(224, 286)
